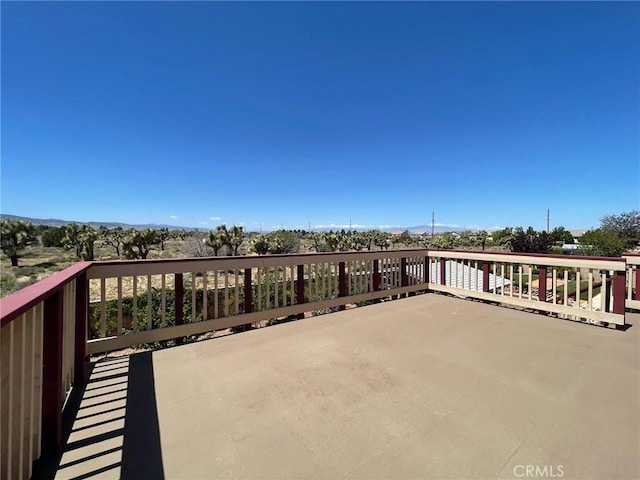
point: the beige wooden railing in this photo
(574, 287)
(131, 300)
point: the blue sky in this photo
(272, 114)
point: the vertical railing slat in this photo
(103, 308)
(259, 288)
(149, 304)
(134, 322)
(205, 297)
(216, 299)
(119, 321)
(178, 282)
(226, 293)
(267, 279)
(163, 301)
(590, 291)
(194, 303)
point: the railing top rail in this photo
(106, 269)
(14, 305)
(244, 257)
(539, 255)
(577, 261)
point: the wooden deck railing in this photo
(49, 329)
(145, 302)
(43, 339)
(590, 288)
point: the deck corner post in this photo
(52, 390)
(342, 282)
(542, 283)
(248, 291)
(404, 278)
(300, 297)
(377, 279)
(485, 277)
(443, 271)
(425, 270)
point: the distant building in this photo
(576, 234)
(570, 249)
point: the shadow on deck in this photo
(424, 387)
(111, 427)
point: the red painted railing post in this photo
(81, 320)
(377, 279)
(342, 282)
(542, 284)
(248, 291)
(248, 296)
(404, 278)
(619, 293)
(485, 277)
(52, 394)
(300, 298)
(179, 303)
(443, 272)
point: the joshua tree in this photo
(235, 238)
(217, 239)
(138, 243)
(72, 238)
(113, 237)
(88, 237)
(481, 237)
(163, 235)
(382, 240)
(15, 235)
(260, 244)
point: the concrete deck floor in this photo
(424, 387)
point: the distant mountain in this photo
(436, 229)
(56, 222)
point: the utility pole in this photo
(433, 223)
(548, 221)
(349, 225)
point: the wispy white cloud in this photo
(215, 218)
(204, 223)
(173, 217)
